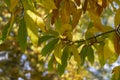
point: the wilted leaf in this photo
(49, 47)
(117, 18)
(22, 35)
(37, 20)
(65, 55)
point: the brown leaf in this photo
(65, 12)
(117, 43)
(77, 2)
(76, 17)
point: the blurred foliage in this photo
(59, 39)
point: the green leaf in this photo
(83, 53)
(5, 32)
(7, 2)
(49, 47)
(90, 54)
(22, 35)
(50, 64)
(44, 38)
(28, 5)
(65, 55)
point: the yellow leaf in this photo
(109, 50)
(116, 72)
(66, 28)
(37, 20)
(32, 30)
(13, 4)
(48, 4)
(117, 18)
(96, 20)
(76, 54)
(65, 12)
(58, 52)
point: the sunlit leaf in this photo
(32, 29)
(48, 48)
(22, 35)
(36, 19)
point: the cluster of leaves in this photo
(50, 24)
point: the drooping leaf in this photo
(44, 38)
(76, 54)
(22, 35)
(90, 54)
(50, 64)
(99, 51)
(58, 52)
(109, 51)
(7, 2)
(116, 43)
(116, 73)
(13, 4)
(117, 18)
(83, 54)
(48, 48)
(37, 20)
(5, 32)
(32, 29)
(65, 55)
(28, 5)
(48, 4)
